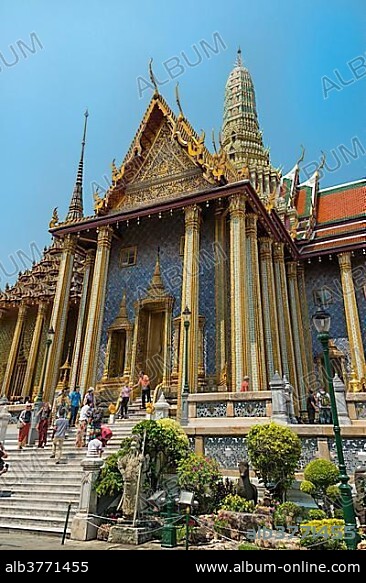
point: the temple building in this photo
(250, 252)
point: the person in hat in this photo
(89, 398)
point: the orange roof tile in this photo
(301, 202)
(344, 204)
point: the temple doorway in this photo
(152, 357)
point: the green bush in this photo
(322, 473)
(307, 487)
(316, 514)
(202, 476)
(236, 503)
(165, 444)
(320, 479)
(287, 514)
(326, 534)
(110, 481)
(274, 452)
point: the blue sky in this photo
(92, 52)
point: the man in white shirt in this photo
(95, 446)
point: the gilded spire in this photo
(76, 204)
(242, 138)
(156, 288)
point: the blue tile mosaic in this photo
(207, 288)
(250, 409)
(213, 409)
(309, 451)
(227, 451)
(351, 447)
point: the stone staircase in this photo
(40, 489)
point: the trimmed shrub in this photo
(287, 514)
(202, 476)
(327, 534)
(236, 503)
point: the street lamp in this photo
(38, 401)
(186, 314)
(321, 321)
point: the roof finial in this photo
(302, 155)
(153, 78)
(76, 204)
(214, 141)
(178, 100)
(239, 61)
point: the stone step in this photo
(55, 493)
(39, 522)
(27, 509)
(38, 501)
(19, 528)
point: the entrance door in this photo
(154, 353)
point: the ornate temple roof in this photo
(241, 135)
(39, 282)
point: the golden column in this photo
(297, 329)
(59, 315)
(167, 349)
(12, 358)
(269, 306)
(352, 317)
(258, 377)
(220, 291)
(80, 328)
(128, 352)
(34, 349)
(190, 297)
(284, 320)
(308, 352)
(88, 369)
(238, 303)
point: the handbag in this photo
(19, 424)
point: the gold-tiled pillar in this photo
(167, 350)
(12, 358)
(128, 352)
(34, 349)
(238, 300)
(352, 317)
(190, 298)
(308, 352)
(269, 308)
(284, 320)
(258, 377)
(297, 331)
(96, 309)
(220, 291)
(59, 315)
(80, 329)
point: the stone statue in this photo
(245, 488)
(360, 498)
(129, 466)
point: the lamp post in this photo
(321, 321)
(185, 393)
(38, 401)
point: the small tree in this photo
(165, 444)
(320, 479)
(202, 476)
(274, 452)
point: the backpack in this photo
(324, 400)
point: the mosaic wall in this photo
(152, 233)
(359, 277)
(351, 447)
(227, 451)
(309, 451)
(6, 333)
(250, 409)
(213, 409)
(207, 288)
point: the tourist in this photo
(89, 398)
(95, 421)
(311, 406)
(75, 400)
(323, 404)
(95, 445)
(24, 423)
(106, 434)
(144, 384)
(125, 397)
(60, 427)
(244, 388)
(43, 419)
(84, 418)
(3, 455)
